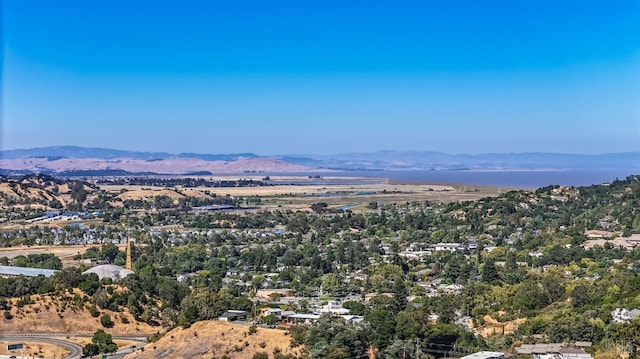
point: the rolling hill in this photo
(212, 338)
(89, 161)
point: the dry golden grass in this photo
(611, 354)
(191, 192)
(47, 316)
(213, 339)
(35, 350)
(30, 193)
(37, 190)
(62, 252)
(299, 196)
(285, 190)
(65, 253)
(144, 193)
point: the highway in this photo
(76, 349)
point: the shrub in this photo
(8, 315)
(253, 329)
(106, 321)
(90, 350)
(94, 311)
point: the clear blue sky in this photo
(318, 77)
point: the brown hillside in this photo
(167, 165)
(191, 192)
(48, 316)
(23, 194)
(214, 339)
(149, 193)
(38, 191)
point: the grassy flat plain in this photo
(65, 253)
(358, 191)
(62, 252)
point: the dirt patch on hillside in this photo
(207, 339)
(138, 194)
(494, 327)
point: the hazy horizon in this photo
(325, 154)
(292, 78)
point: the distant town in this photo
(461, 272)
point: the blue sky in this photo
(279, 77)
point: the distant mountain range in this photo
(89, 161)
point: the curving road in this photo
(76, 349)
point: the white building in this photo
(484, 355)
(624, 315)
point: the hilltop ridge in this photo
(93, 161)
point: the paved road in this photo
(76, 349)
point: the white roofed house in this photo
(485, 355)
(449, 247)
(295, 319)
(574, 353)
(271, 311)
(552, 351)
(232, 315)
(624, 315)
(334, 307)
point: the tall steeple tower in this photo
(128, 264)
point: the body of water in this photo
(519, 179)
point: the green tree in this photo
(106, 321)
(108, 252)
(331, 333)
(270, 320)
(580, 296)
(384, 326)
(400, 294)
(104, 342)
(490, 272)
(628, 335)
(78, 193)
(90, 350)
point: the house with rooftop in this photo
(552, 351)
(485, 355)
(624, 315)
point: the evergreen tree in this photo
(490, 272)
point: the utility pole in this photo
(418, 351)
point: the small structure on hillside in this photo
(233, 315)
(109, 271)
(624, 315)
(485, 355)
